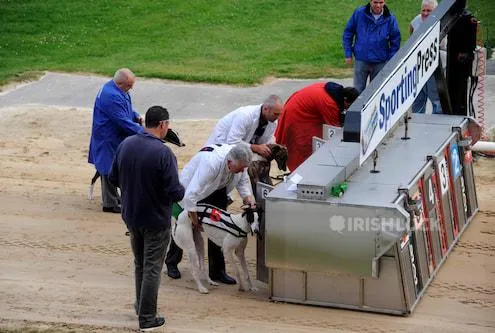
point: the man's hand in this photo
(348, 61)
(140, 120)
(262, 150)
(193, 216)
(249, 201)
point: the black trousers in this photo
(216, 261)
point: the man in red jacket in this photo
(304, 114)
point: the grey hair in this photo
(240, 153)
(272, 101)
(123, 75)
(433, 3)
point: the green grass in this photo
(229, 41)
(484, 10)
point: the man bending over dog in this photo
(305, 112)
(208, 178)
(253, 124)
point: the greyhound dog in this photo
(227, 231)
(172, 137)
(259, 169)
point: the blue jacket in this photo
(369, 40)
(146, 172)
(114, 119)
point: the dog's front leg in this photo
(240, 253)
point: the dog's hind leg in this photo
(91, 194)
(196, 269)
(246, 281)
(184, 238)
(228, 253)
(200, 250)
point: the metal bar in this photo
(343, 306)
(420, 174)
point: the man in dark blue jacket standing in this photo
(146, 172)
(114, 119)
(372, 35)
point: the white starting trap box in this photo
(365, 223)
(379, 245)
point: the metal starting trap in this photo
(367, 221)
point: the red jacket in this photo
(303, 116)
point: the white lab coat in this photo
(207, 172)
(240, 125)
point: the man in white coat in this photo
(253, 124)
(208, 177)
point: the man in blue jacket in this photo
(372, 35)
(114, 119)
(146, 172)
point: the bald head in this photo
(124, 78)
(272, 107)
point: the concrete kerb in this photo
(184, 100)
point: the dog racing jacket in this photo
(207, 172)
(219, 219)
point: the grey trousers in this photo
(149, 247)
(109, 194)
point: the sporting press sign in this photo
(398, 91)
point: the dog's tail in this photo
(95, 177)
(91, 195)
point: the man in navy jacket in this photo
(114, 119)
(372, 35)
(147, 174)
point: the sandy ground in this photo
(66, 266)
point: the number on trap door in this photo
(444, 175)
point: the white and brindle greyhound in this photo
(227, 231)
(259, 168)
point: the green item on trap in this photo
(338, 190)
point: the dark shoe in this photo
(153, 325)
(115, 210)
(173, 272)
(223, 278)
